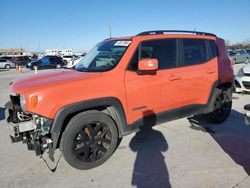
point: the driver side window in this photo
(164, 50)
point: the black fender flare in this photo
(59, 120)
(228, 87)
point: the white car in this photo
(67, 58)
(5, 64)
(73, 62)
(242, 79)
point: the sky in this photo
(80, 24)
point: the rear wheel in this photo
(247, 59)
(220, 107)
(7, 66)
(234, 61)
(89, 139)
(35, 67)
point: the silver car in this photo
(242, 79)
(6, 64)
(239, 56)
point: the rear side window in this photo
(162, 50)
(213, 48)
(195, 51)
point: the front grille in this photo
(246, 85)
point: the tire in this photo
(89, 139)
(247, 59)
(35, 67)
(220, 107)
(58, 66)
(7, 66)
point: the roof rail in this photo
(174, 31)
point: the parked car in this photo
(21, 60)
(239, 56)
(242, 79)
(9, 58)
(46, 62)
(6, 64)
(248, 51)
(74, 61)
(68, 58)
(120, 85)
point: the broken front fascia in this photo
(32, 129)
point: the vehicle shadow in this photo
(233, 136)
(150, 169)
(3, 70)
(2, 113)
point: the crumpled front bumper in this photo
(16, 127)
(22, 128)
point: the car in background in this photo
(239, 56)
(73, 62)
(68, 58)
(46, 62)
(9, 58)
(231, 53)
(21, 60)
(6, 64)
(248, 51)
(242, 79)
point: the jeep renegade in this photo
(85, 111)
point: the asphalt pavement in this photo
(174, 154)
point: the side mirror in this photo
(148, 65)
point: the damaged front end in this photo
(31, 129)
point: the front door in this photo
(146, 93)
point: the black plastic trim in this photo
(63, 113)
(155, 32)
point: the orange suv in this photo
(120, 85)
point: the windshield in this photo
(104, 56)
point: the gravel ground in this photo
(171, 154)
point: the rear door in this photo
(198, 68)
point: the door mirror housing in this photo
(148, 65)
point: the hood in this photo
(246, 68)
(48, 79)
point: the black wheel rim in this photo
(222, 106)
(92, 142)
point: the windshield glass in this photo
(104, 56)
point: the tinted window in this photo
(195, 51)
(163, 50)
(213, 48)
(67, 56)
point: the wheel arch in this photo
(225, 86)
(109, 105)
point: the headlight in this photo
(42, 123)
(240, 73)
(22, 102)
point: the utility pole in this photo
(21, 48)
(110, 31)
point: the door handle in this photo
(211, 71)
(173, 78)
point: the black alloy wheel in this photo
(92, 142)
(222, 107)
(89, 139)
